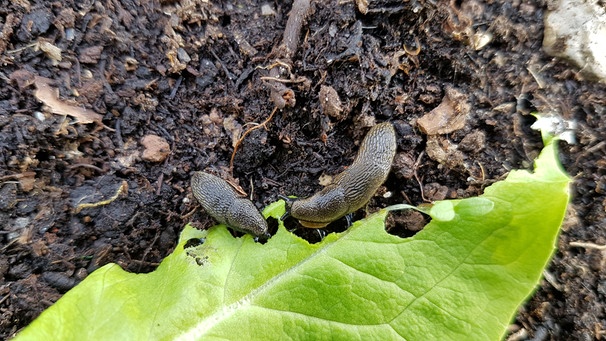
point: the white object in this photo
(576, 31)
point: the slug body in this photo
(353, 188)
(222, 202)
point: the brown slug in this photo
(353, 188)
(221, 202)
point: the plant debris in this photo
(200, 74)
(49, 96)
(447, 117)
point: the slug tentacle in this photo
(222, 203)
(354, 187)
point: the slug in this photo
(353, 188)
(222, 202)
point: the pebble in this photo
(267, 10)
(156, 149)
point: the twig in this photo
(227, 73)
(552, 280)
(483, 173)
(414, 52)
(282, 95)
(122, 189)
(17, 176)
(281, 80)
(118, 130)
(4, 299)
(273, 65)
(187, 215)
(147, 250)
(290, 40)
(416, 175)
(588, 245)
(252, 188)
(173, 93)
(86, 165)
(264, 124)
(21, 48)
(159, 182)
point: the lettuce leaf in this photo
(462, 277)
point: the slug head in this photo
(321, 209)
(244, 217)
(221, 202)
(287, 206)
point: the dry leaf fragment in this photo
(91, 55)
(331, 103)
(50, 97)
(231, 125)
(52, 51)
(27, 181)
(244, 45)
(447, 117)
(445, 152)
(23, 78)
(362, 6)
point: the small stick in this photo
(416, 175)
(282, 80)
(17, 176)
(298, 13)
(282, 95)
(588, 245)
(86, 165)
(264, 124)
(122, 189)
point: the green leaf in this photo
(462, 277)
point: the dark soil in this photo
(189, 71)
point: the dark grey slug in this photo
(353, 188)
(222, 202)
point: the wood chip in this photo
(331, 103)
(91, 55)
(447, 117)
(51, 51)
(23, 78)
(362, 6)
(50, 97)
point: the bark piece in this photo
(447, 117)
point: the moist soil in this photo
(107, 107)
